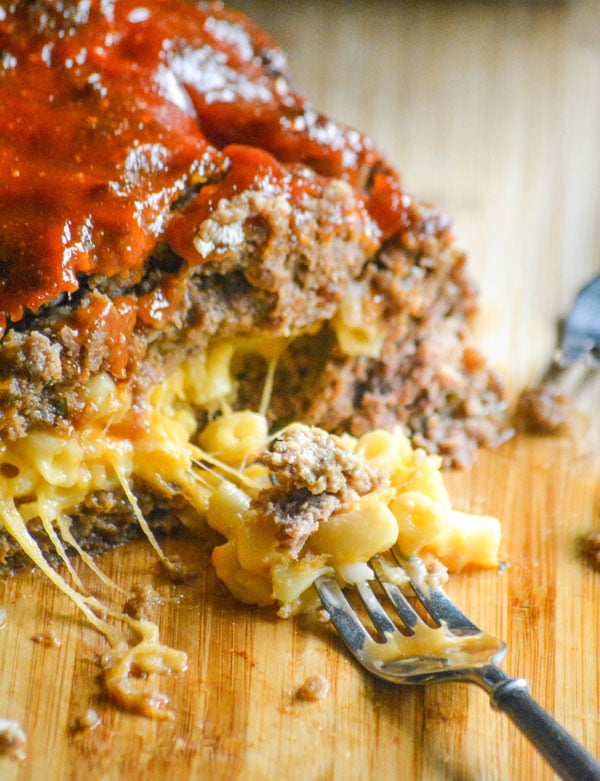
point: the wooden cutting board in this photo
(238, 713)
(492, 111)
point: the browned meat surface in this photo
(430, 377)
(306, 457)
(316, 475)
(543, 410)
(314, 688)
(105, 521)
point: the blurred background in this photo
(491, 110)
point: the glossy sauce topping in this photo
(115, 115)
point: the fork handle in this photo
(568, 758)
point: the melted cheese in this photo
(433, 642)
(47, 476)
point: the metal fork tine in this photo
(410, 618)
(400, 659)
(435, 601)
(381, 620)
(342, 613)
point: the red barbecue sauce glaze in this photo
(113, 110)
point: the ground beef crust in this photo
(316, 475)
(430, 377)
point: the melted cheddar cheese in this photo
(219, 472)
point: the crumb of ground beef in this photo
(316, 475)
(308, 457)
(296, 511)
(591, 547)
(315, 687)
(176, 570)
(87, 722)
(13, 740)
(543, 410)
(142, 602)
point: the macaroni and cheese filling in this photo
(290, 505)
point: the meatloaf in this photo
(165, 189)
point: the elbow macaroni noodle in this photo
(413, 514)
(47, 476)
(358, 329)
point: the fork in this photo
(579, 343)
(409, 650)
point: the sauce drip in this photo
(116, 115)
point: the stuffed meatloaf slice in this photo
(171, 207)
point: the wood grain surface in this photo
(492, 111)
